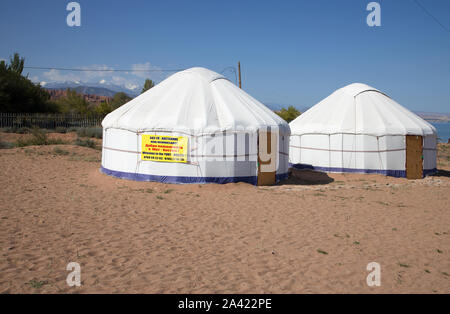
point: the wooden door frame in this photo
(414, 157)
(266, 178)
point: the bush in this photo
(39, 138)
(23, 130)
(90, 132)
(60, 129)
(9, 130)
(6, 145)
(59, 151)
(85, 143)
(17, 130)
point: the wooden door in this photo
(266, 177)
(414, 157)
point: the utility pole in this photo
(239, 69)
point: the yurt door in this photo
(414, 160)
(266, 158)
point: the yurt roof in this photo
(194, 101)
(360, 109)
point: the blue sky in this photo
(292, 52)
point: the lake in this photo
(443, 130)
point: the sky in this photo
(291, 52)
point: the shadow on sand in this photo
(442, 173)
(306, 177)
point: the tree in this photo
(16, 63)
(18, 93)
(106, 107)
(119, 99)
(103, 108)
(3, 66)
(74, 103)
(147, 85)
(288, 114)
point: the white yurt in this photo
(360, 129)
(195, 127)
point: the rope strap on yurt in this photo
(349, 151)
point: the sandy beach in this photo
(313, 233)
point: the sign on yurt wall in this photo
(164, 148)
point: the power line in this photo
(230, 68)
(432, 16)
(103, 70)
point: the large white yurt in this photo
(360, 129)
(196, 127)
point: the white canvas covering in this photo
(359, 129)
(210, 111)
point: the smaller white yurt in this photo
(196, 127)
(360, 129)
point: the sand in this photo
(142, 237)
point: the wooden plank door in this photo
(265, 177)
(414, 157)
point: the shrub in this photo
(59, 151)
(90, 132)
(60, 129)
(8, 130)
(6, 145)
(39, 138)
(14, 129)
(85, 143)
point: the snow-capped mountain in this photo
(101, 88)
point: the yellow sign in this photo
(164, 148)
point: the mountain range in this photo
(100, 89)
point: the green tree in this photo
(3, 65)
(147, 85)
(18, 93)
(74, 103)
(288, 114)
(16, 63)
(119, 99)
(103, 108)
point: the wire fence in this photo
(48, 120)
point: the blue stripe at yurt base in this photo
(175, 179)
(391, 173)
(185, 180)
